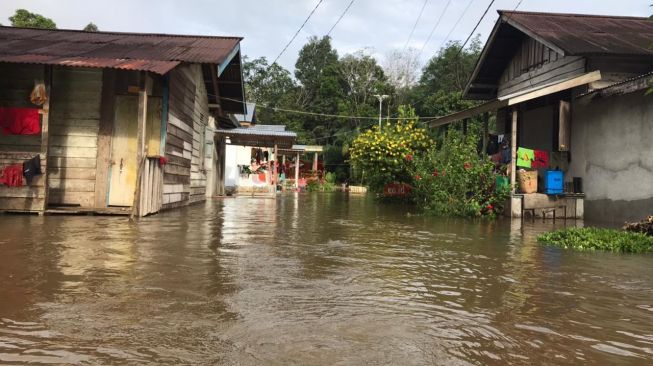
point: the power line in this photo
(476, 27)
(446, 7)
(456, 25)
(415, 25)
(341, 16)
(294, 111)
(296, 33)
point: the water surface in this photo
(313, 279)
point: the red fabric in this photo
(261, 177)
(541, 159)
(20, 121)
(12, 176)
(163, 160)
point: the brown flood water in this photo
(313, 279)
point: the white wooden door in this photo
(124, 154)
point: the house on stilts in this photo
(572, 89)
(122, 123)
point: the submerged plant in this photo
(599, 239)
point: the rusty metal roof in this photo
(567, 34)
(158, 53)
(579, 34)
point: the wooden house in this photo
(574, 86)
(127, 121)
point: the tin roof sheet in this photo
(580, 34)
(136, 51)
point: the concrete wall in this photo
(612, 150)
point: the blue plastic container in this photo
(554, 182)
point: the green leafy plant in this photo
(385, 153)
(454, 181)
(588, 239)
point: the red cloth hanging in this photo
(12, 176)
(20, 121)
(541, 159)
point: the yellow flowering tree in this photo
(385, 154)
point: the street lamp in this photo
(380, 98)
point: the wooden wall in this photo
(74, 124)
(184, 179)
(16, 84)
(534, 65)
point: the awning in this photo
(258, 137)
(468, 113)
(519, 97)
(301, 149)
(552, 88)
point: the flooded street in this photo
(313, 279)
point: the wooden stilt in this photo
(513, 151)
(140, 138)
(45, 135)
(297, 172)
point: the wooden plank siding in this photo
(184, 178)
(534, 65)
(74, 126)
(16, 84)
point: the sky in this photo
(376, 26)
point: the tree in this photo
(402, 70)
(316, 71)
(91, 27)
(23, 18)
(362, 77)
(450, 69)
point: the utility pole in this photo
(381, 98)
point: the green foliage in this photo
(453, 181)
(385, 154)
(23, 18)
(589, 239)
(328, 184)
(91, 27)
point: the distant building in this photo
(574, 86)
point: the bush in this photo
(599, 239)
(454, 181)
(383, 154)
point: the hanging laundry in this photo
(541, 159)
(12, 176)
(525, 157)
(20, 121)
(32, 168)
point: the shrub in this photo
(454, 181)
(383, 154)
(599, 239)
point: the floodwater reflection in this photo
(313, 279)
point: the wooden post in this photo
(146, 88)
(513, 151)
(486, 133)
(315, 163)
(274, 169)
(297, 172)
(45, 134)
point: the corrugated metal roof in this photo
(269, 127)
(159, 67)
(136, 51)
(579, 34)
(255, 132)
(567, 34)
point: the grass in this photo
(589, 239)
